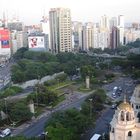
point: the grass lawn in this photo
(82, 88)
(39, 110)
(60, 99)
(61, 85)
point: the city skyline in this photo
(30, 12)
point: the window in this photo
(130, 133)
(128, 116)
(112, 130)
(122, 116)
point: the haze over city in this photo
(30, 12)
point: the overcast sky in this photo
(31, 11)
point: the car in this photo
(5, 133)
(114, 106)
(120, 89)
(114, 95)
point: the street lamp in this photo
(90, 107)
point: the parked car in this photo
(5, 133)
(114, 106)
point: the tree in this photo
(20, 53)
(67, 125)
(42, 95)
(59, 132)
(87, 70)
(65, 57)
(19, 112)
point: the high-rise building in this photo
(60, 30)
(113, 22)
(121, 28)
(114, 38)
(121, 21)
(18, 40)
(104, 23)
(95, 36)
(88, 36)
(77, 33)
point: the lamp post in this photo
(90, 107)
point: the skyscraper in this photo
(121, 21)
(88, 36)
(114, 38)
(121, 28)
(60, 30)
(104, 23)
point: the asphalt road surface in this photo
(36, 128)
(102, 124)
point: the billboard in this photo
(4, 38)
(36, 42)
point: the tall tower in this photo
(104, 23)
(123, 126)
(121, 28)
(121, 21)
(88, 36)
(60, 30)
(114, 37)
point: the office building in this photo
(88, 36)
(60, 30)
(114, 38)
(121, 28)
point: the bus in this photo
(96, 137)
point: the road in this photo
(127, 85)
(36, 127)
(102, 124)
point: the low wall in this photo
(32, 83)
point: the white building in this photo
(131, 35)
(125, 124)
(103, 39)
(60, 30)
(18, 40)
(95, 36)
(104, 23)
(121, 28)
(113, 22)
(88, 36)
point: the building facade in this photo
(60, 30)
(125, 124)
(88, 36)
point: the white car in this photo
(5, 133)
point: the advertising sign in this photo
(36, 42)
(4, 38)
